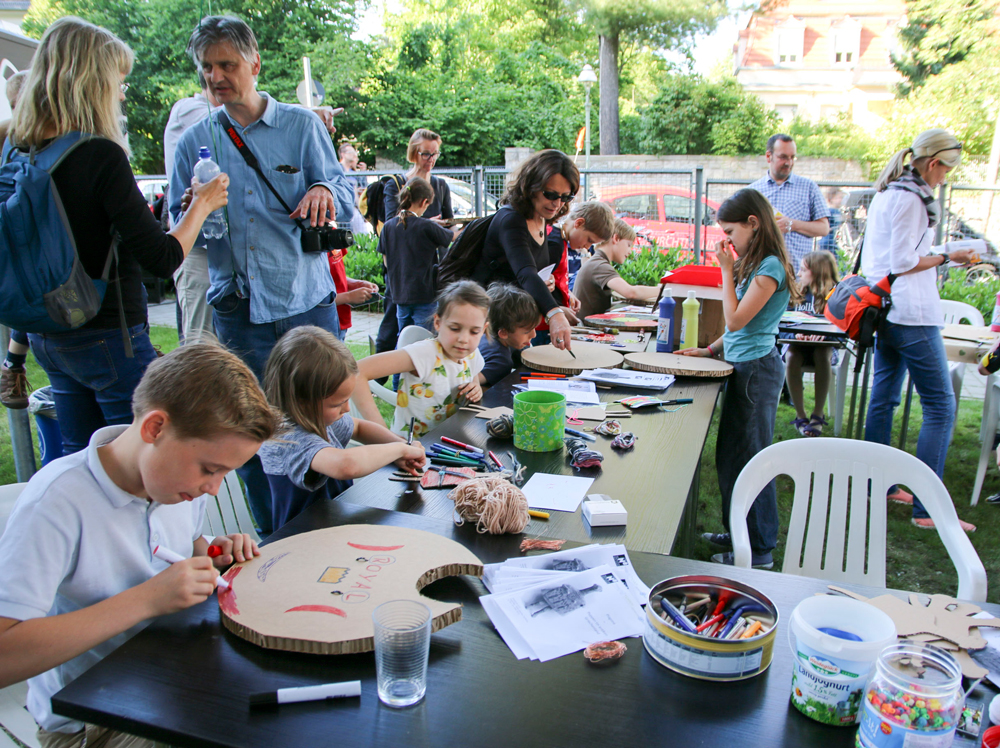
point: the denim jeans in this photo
(746, 426)
(92, 379)
(388, 331)
(919, 350)
(253, 343)
(416, 314)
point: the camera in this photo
(325, 239)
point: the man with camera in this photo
(269, 270)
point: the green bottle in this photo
(689, 323)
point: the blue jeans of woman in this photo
(253, 342)
(92, 379)
(746, 426)
(416, 314)
(918, 350)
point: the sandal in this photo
(804, 428)
(816, 423)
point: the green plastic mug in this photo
(539, 420)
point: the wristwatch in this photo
(945, 258)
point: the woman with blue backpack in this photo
(898, 238)
(69, 122)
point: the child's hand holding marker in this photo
(182, 584)
(471, 391)
(226, 550)
(413, 460)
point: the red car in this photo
(662, 212)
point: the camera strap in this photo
(252, 161)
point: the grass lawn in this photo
(916, 559)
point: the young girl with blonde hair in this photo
(756, 287)
(309, 378)
(818, 275)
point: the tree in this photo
(939, 33)
(158, 32)
(624, 28)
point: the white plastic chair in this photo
(229, 512)
(409, 335)
(955, 313)
(836, 531)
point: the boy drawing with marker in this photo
(79, 573)
(511, 323)
(598, 277)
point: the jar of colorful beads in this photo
(913, 698)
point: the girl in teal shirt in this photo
(757, 285)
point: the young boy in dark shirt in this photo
(511, 324)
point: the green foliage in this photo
(939, 33)
(980, 293)
(363, 260)
(158, 31)
(646, 266)
(694, 115)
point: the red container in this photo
(991, 738)
(695, 275)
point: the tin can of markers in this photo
(701, 656)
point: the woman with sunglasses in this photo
(898, 236)
(539, 192)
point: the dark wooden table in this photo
(185, 679)
(656, 481)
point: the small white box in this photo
(603, 511)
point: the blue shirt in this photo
(261, 257)
(498, 358)
(757, 338)
(799, 198)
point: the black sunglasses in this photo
(950, 148)
(549, 195)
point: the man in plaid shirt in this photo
(804, 215)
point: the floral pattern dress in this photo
(431, 395)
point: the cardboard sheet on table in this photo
(560, 493)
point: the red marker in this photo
(213, 551)
(456, 443)
(496, 460)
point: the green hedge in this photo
(980, 293)
(646, 265)
(363, 260)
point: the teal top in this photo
(756, 339)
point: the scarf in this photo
(912, 182)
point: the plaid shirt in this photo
(799, 198)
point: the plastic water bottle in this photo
(665, 327)
(689, 322)
(995, 324)
(205, 171)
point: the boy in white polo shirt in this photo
(79, 577)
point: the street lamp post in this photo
(588, 78)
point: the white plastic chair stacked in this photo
(836, 531)
(409, 335)
(228, 512)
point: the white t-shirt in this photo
(75, 539)
(897, 235)
(431, 396)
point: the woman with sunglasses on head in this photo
(539, 192)
(898, 236)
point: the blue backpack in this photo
(43, 286)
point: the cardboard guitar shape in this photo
(489, 413)
(588, 356)
(315, 592)
(943, 616)
(681, 366)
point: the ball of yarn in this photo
(492, 503)
(501, 427)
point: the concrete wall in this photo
(741, 168)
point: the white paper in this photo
(581, 393)
(560, 493)
(555, 619)
(546, 272)
(576, 560)
(645, 380)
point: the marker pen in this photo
(307, 693)
(461, 445)
(165, 554)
